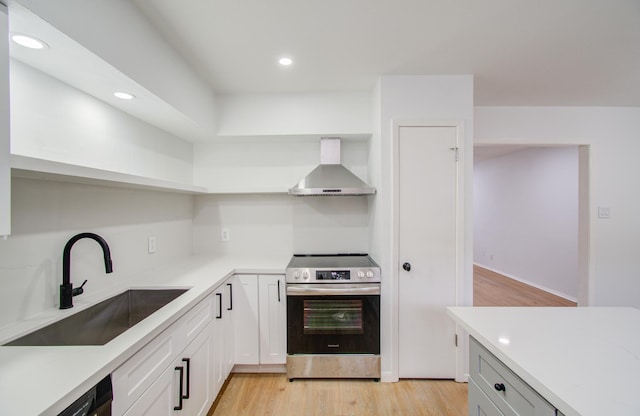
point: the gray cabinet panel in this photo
(503, 387)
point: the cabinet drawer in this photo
(139, 372)
(490, 375)
(194, 321)
(479, 403)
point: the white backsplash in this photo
(276, 224)
(46, 214)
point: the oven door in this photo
(333, 319)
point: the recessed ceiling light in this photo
(285, 61)
(124, 95)
(28, 41)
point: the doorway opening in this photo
(530, 225)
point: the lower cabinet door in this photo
(185, 387)
(159, 399)
(218, 360)
(273, 319)
(196, 360)
(479, 403)
(245, 309)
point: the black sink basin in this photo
(102, 322)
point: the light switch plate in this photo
(151, 244)
(224, 235)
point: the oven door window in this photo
(333, 316)
(333, 324)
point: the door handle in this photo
(407, 267)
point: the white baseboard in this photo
(527, 282)
(464, 379)
(387, 377)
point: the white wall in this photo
(117, 32)
(53, 121)
(613, 137)
(295, 114)
(267, 163)
(428, 98)
(5, 173)
(526, 217)
(280, 224)
(46, 214)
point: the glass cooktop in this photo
(348, 260)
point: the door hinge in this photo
(455, 149)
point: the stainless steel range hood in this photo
(330, 177)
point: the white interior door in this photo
(427, 242)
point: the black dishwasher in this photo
(95, 402)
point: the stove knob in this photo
(305, 275)
(296, 275)
(361, 275)
(369, 274)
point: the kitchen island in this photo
(583, 361)
(45, 380)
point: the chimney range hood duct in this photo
(330, 177)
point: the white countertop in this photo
(45, 380)
(584, 361)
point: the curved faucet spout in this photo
(66, 288)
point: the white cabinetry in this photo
(247, 338)
(5, 167)
(175, 373)
(196, 382)
(261, 319)
(223, 356)
(141, 371)
(184, 387)
(273, 319)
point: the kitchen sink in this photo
(102, 322)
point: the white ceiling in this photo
(521, 52)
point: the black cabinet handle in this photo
(230, 296)
(278, 290)
(219, 305)
(181, 371)
(407, 267)
(187, 361)
(499, 387)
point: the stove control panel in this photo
(333, 275)
(308, 275)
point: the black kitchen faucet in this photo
(67, 292)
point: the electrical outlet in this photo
(151, 244)
(604, 212)
(224, 235)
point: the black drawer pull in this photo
(187, 361)
(500, 387)
(230, 297)
(219, 295)
(181, 386)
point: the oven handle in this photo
(329, 289)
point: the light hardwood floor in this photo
(272, 394)
(493, 289)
